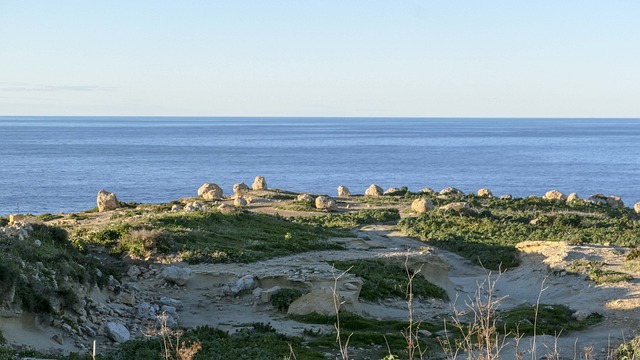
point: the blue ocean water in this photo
(53, 164)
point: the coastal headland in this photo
(268, 273)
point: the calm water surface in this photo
(52, 164)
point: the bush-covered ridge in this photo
(489, 234)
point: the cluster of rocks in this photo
(597, 199)
(19, 230)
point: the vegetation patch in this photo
(366, 334)
(385, 280)
(551, 320)
(282, 298)
(489, 235)
(351, 219)
(260, 341)
(298, 205)
(211, 237)
(595, 272)
(629, 350)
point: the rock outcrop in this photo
(421, 205)
(426, 190)
(506, 197)
(615, 202)
(451, 191)
(461, 208)
(636, 207)
(484, 192)
(343, 191)
(374, 190)
(259, 183)
(117, 332)
(210, 192)
(597, 199)
(107, 201)
(176, 275)
(240, 189)
(572, 197)
(325, 203)
(555, 195)
(304, 197)
(391, 191)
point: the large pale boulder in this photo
(304, 197)
(259, 183)
(240, 189)
(210, 191)
(239, 202)
(451, 191)
(636, 207)
(106, 201)
(615, 202)
(422, 205)
(391, 191)
(597, 199)
(343, 191)
(117, 332)
(373, 190)
(325, 203)
(317, 301)
(426, 190)
(506, 197)
(176, 275)
(484, 192)
(572, 197)
(461, 208)
(555, 195)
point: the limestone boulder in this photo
(426, 190)
(506, 197)
(210, 191)
(615, 202)
(343, 191)
(259, 183)
(245, 283)
(451, 191)
(636, 207)
(226, 208)
(391, 191)
(484, 192)
(461, 208)
(572, 197)
(374, 190)
(304, 197)
(239, 202)
(421, 205)
(325, 203)
(240, 189)
(176, 275)
(555, 195)
(598, 199)
(106, 201)
(318, 301)
(117, 332)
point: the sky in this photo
(406, 58)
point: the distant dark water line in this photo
(52, 164)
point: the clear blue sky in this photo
(543, 58)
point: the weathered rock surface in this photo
(555, 195)
(247, 282)
(325, 203)
(318, 301)
(572, 197)
(210, 191)
(615, 202)
(506, 197)
(304, 197)
(226, 208)
(451, 191)
(239, 202)
(374, 190)
(240, 189)
(107, 201)
(390, 191)
(259, 183)
(597, 199)
(117, 332)
(636, 207)
(421, 205)
(426, 190)
(176, 275)
(484, 192)
(343, 191)
(461, 208)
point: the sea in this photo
(58, 164)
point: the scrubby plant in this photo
(629, 350)
(282, 298)
(351, 219)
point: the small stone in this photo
(117, 332)
(58, 338)
(134, 271)
(176, 275)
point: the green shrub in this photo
(633, 254)
(629, 350)
(551, 320)
(282, 298)
(351, 219)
